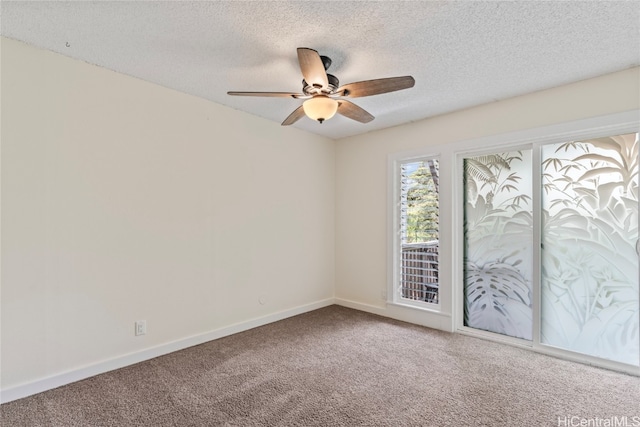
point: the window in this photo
(416, 258)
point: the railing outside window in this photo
(419, 271)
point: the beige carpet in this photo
(340, 367)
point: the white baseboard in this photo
(417, 316)
(57, 380)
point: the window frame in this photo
(393, 293)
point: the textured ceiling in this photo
(461, 53)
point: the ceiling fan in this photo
(323, 94)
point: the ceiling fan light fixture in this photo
(320, 108)
(324, 95)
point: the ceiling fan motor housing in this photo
(308, 89)
(326, 62)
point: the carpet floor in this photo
(341, 367)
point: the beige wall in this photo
(122, 200)
(362, 178)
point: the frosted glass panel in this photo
(498, 229)
(589, 286)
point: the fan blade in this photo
(269, 94)
(352, 111)
(375, 87)
(297, 114)
(312, 68)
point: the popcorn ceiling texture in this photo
(461, 53)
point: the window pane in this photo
(419, 231)
(589, 259)
(498, 234)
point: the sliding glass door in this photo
(586, 220)
(589, 289)
(498, 231)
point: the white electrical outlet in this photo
(141, 327)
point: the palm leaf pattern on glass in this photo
(498, 299)
(589, 260)
(498, 241)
